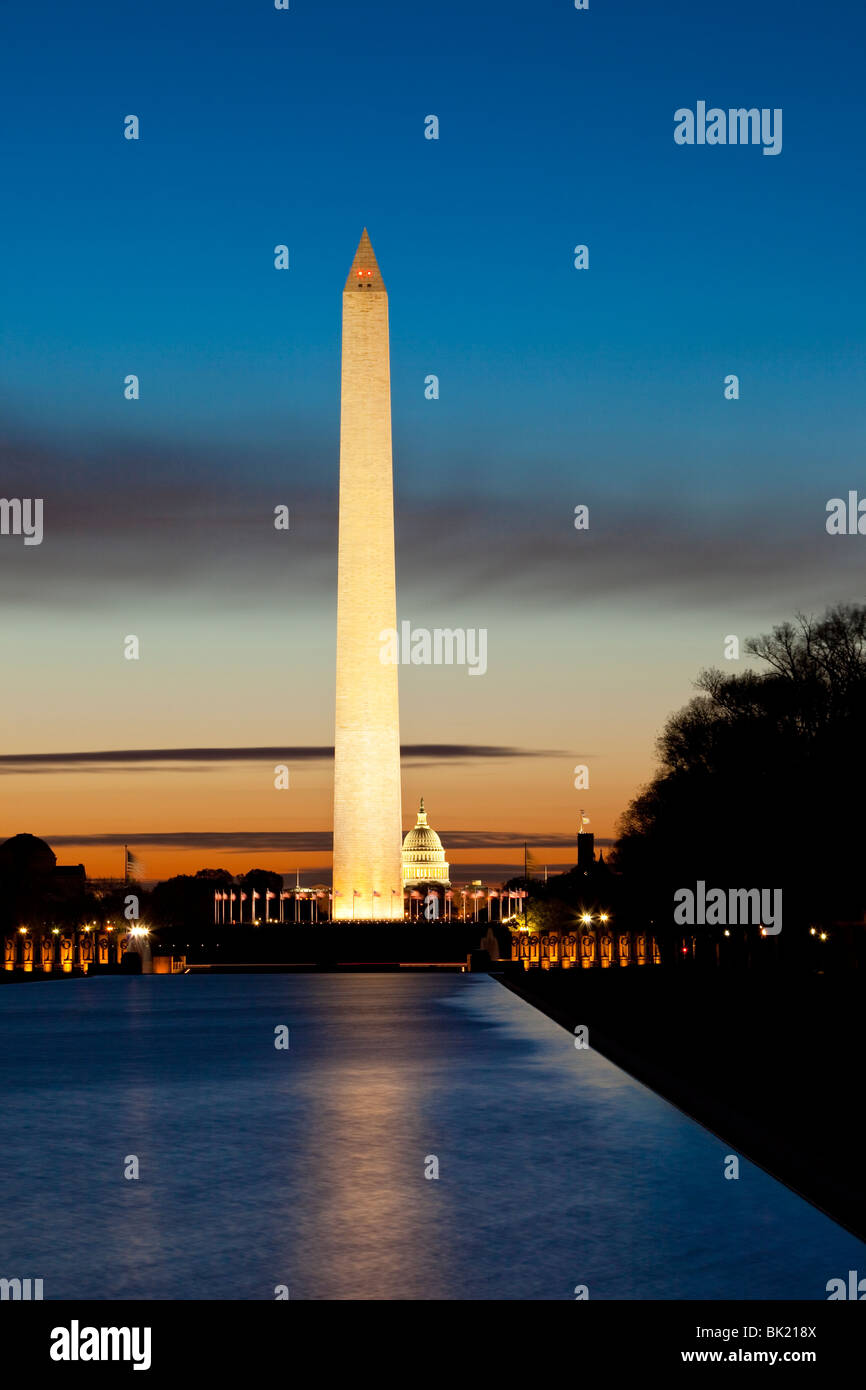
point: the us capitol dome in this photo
(423, 856)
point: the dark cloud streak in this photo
(157, 759)
(172, 516)
(313, 841)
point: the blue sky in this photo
(261, 127)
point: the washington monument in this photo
(367, 814)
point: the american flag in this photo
(131, 866)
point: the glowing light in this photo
(812, 931)
(823, 936)
(727, 933)
(138, 931)
(604, 917)
(23, 931)
(585, 918)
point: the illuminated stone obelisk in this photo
(368, 832)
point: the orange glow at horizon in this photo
(574, 695)
(512, 798)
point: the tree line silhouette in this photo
(761, 779)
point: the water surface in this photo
(306, 1168)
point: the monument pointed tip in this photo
(365, 273)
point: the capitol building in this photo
(423, 856)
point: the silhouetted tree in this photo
(548, 914)
(761, 778)
(182, 901)
(262, 881)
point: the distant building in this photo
(585, 851)
(423, 856)
(106, 887)
(25, 854)
(27, 860)
(34, 889)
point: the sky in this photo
(557, 387)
